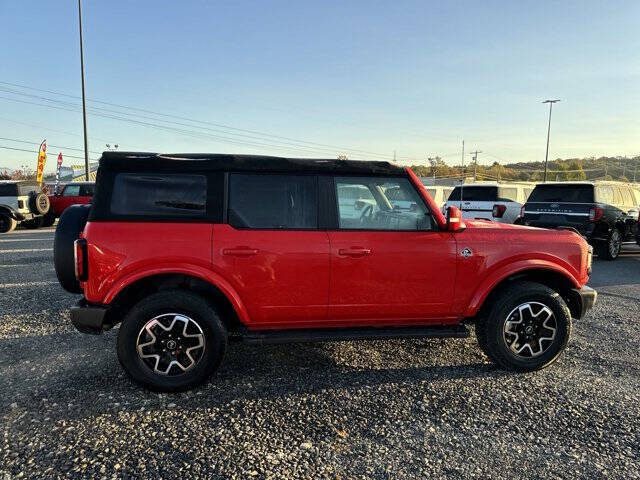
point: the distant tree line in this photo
(624, 169)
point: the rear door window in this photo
(165, 195)
(475, 194)
(274, 202)
(562, 193)
(71, 191)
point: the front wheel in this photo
(171, 341)
(527, 327)
(7, 224)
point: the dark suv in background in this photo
(606, 214)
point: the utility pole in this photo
(462, 160)
(463, 176)
(546, 157)
(84, 102)
(433, 168)
(475, 164)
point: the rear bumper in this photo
(88, 318)
(581, 301)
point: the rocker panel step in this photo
(349, 334)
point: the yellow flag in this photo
(42, 159)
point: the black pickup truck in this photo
(605, 213)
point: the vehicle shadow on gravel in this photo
(84, 372)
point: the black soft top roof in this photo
(198, 162)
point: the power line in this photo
(228, 127)
(191, 133)
(50, 145)
(36, 151)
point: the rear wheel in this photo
(171, 341)
(610, 249)
(49, 219)
(33, 223)
(526, 328)
(7, 224)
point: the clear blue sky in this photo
(412, 76)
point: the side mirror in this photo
(454, 220)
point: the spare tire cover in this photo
(39, 203)
(70, 224)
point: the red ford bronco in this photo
(187, 252)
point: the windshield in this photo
(562, 193)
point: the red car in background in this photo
(75, 193)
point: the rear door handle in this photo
(240, 251)
(354, 252)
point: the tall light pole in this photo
(546, 157)
(84, 102)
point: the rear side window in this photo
(86, 190)
(166, 195)
(475, 194)
(562, 193)
(27, 188)
(273, 201)
(508, 194)
(431, 192)
(8, 190)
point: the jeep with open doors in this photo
(21, 202)
(186, 252)
(605, 213)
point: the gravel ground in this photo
(398, 409)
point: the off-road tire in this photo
(33, 224)
(49, 219)
(7, 224)
(490, 330)
(607, 250)
(172, 302)
(70, 225)
(39, 203)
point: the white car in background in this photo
(21, 201)
(439, 193)
(496, 202)
(354, 199)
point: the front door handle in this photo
(354, 252)
(240, 251)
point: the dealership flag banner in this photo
(42, 159)
(55, 189)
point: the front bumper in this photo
(89, 318)
(581, 301)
